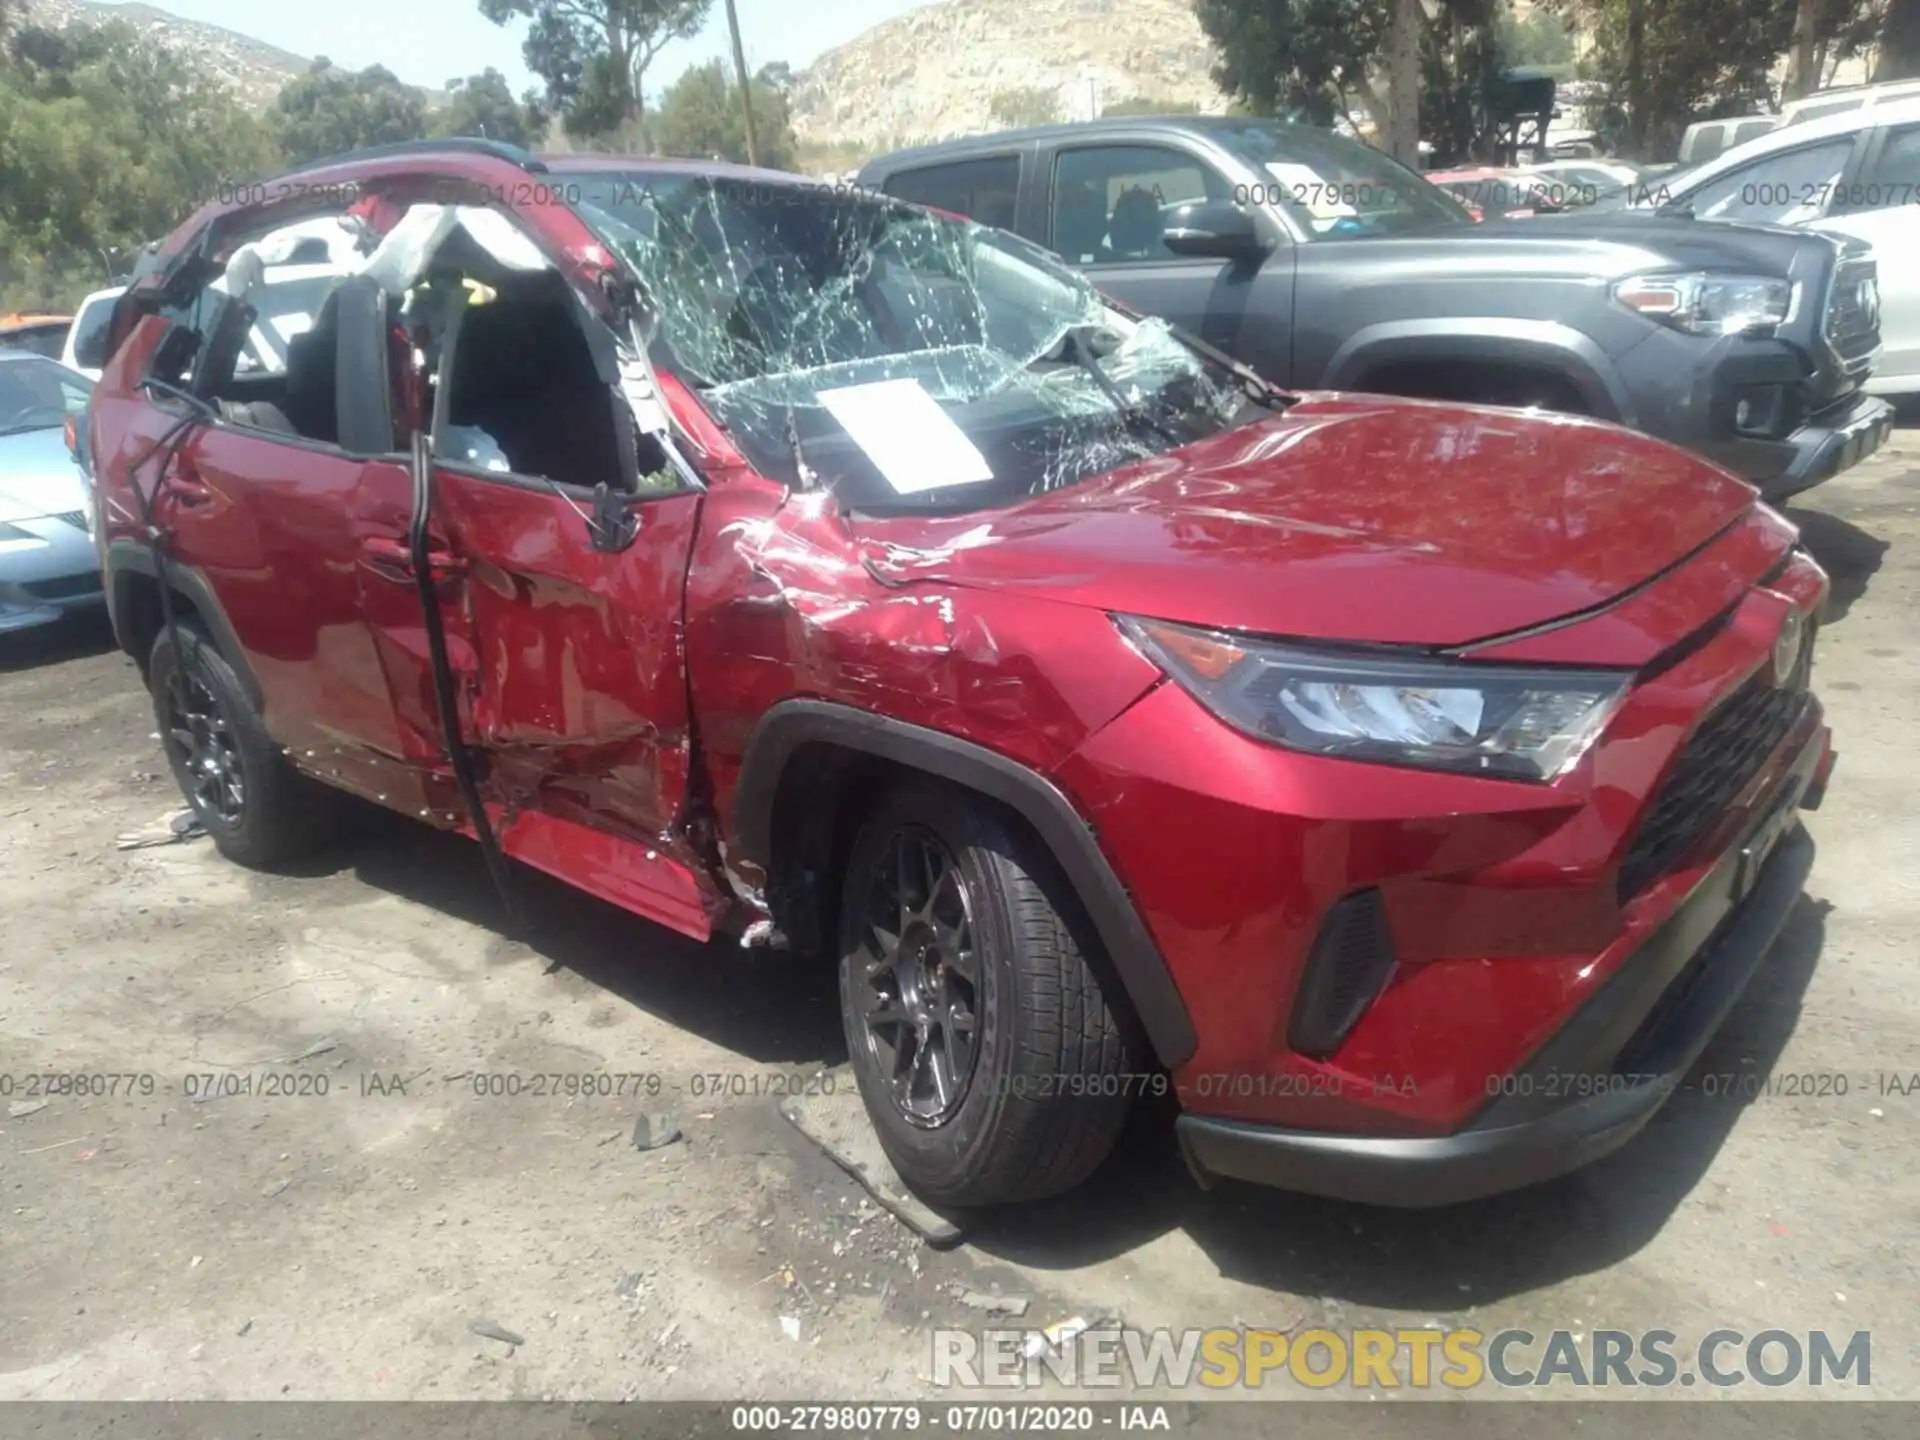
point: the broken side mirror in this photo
(615, 523)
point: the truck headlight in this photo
(1708, 304)
(1501, 721)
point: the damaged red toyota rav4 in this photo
(1411, 788)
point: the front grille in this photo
(1853, 312)
(1729, 746)
(75, 518)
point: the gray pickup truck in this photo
(1326, 265)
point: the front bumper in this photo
(41, 582)
(1601, 1078)
(1827, 444)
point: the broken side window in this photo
(782, 305)
(264, 346)
(505, 350)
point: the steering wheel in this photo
(38, 417)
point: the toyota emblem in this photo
(1786, 649)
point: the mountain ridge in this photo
(933, 72)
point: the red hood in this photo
(1349, 517)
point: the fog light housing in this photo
(1762, 410)
(1350, 961)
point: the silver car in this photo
(48, 565)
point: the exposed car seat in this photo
(311, 403)
(363, 353)
(1137, 228)
(232, 324)
(522, 372)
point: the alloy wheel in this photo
(202, 745)
(917, 977)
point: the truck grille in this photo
(1729, 746)
(1853, 313)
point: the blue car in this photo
(48, 564)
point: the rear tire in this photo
(259, 810)
(958, 935)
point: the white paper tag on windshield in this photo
(1321, 197)
(909, 438)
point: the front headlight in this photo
(1501, 721)
(1708, 304)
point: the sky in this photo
(428, 42)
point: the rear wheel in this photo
(990, 1057)
(259, 810)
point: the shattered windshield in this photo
(899, 356)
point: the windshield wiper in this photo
(1074, 348)
(809, 478)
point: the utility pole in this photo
(746, 87)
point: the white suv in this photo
(1852, 173)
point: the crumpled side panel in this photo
(582, 699)
(784, 601)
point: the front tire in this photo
(259, 810)
(990, 1057)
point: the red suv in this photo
(1409, 787)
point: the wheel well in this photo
(825, 792)
(138, 615)
(792, 822)
(1482, 382)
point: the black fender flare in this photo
(130, 557)
(1546, 344)
(793, 724)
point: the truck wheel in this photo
(259, 810)
(990, 1058)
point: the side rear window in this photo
(1893, 178)
(90, 333)
(1785, 188)
(982, 190)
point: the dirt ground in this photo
(342, 1245)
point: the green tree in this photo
(1025, 105)
(1899, 42)
(1462, 57)
(593, 55)
(1541, 41)
(700, 118)
(1309, 57)
(1690, 59)
(107, 141)
(1313, 59)
(483, 105)
(328, 111)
